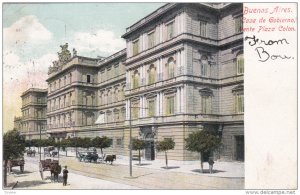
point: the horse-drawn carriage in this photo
(30, 152)
(52, 166)
(15, 163)
(87, 156)
(50, 151)
(94, 157)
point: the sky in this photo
(32, 34)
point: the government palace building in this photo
(182, 71)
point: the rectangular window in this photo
(238, 24)
(204, 68)
(135, 47)
(239, 103)
(206, 104)
(109, 73)
(170, 105)
(109, 117)
(203, 28)
(151, 40)
(136, 81)
(170, 30)
(88, 78)
(119, 142)
(116, 68)
(240, 65)
(135, 110)
(151, 108)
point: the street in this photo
(84, 175)
(31, 179)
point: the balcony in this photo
(182, 118)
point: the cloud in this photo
(33, 71)
(101, 41)
(27, 30)
(19, 76)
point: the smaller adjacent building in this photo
(33, 121)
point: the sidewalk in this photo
(153, 175)
(221, 169)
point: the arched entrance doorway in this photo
(149, 149)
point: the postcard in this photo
(130, 96)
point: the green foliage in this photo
(165, 145)
(28, 143)
(138, 144)
(13, 145)
(202, 141)
(65, 143)
(75, 142)
(86, 142)
(101, 142)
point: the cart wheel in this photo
(22, 168)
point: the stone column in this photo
(141, 106)
(178, 100)
(161, 104)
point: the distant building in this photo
(33, 121)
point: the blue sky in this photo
(77, 17)
(32, 34)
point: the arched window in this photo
(205, 68)
(206, 100)
(136, 79)
(109, 116)
(89, 118)
(151, 75)
(70, 77)
(109, 98)
(240, 64)
(123, 113)
(116, 95)
(171, 68)
(116, 115)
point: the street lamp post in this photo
(40, 144)
(130, 143)
(130, 139)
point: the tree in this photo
(65, 143)
(13, 148)
(75, 142)
(28, 144)
(101, 142)
(165, 145)
(86, 142)
(202, 142)
(138, 144)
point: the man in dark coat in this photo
(65, 176)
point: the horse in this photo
(55, 170)
(53, 153)
(30, 152)
(81, 156)
(110, 158)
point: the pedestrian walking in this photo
(211, 164)
(65, 176)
